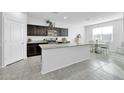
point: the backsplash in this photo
(36, 38)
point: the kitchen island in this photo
(56, 56)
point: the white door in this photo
(13, 41)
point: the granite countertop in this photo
(46, 42)
(35, 42)
(53, 46)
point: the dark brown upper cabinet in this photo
(31, 30)
(34, 30)
(62, 31)
(41, 31)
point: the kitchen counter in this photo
(47, 42)
(53, 46)
(37, 42)
(57, 56)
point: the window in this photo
(103, 34)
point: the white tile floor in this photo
(99, 67)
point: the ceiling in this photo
(76, 17)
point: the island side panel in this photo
(53, 59)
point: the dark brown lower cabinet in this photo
(33, 50)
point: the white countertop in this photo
(37, 42)
(53, 46)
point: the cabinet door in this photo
(58, 31)
(34, 32)
(38, 31)
(30, 30)
(62, 32)
(38, 52)
(45, 31)
(31, 50)
(13, 40)
(65, 32)
(41, 31)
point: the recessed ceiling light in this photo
(65, 17)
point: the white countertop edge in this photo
(54, 46)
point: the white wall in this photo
(117, 32)
(74, 29)
(41, 21)
(19, 16)
(0, 39)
